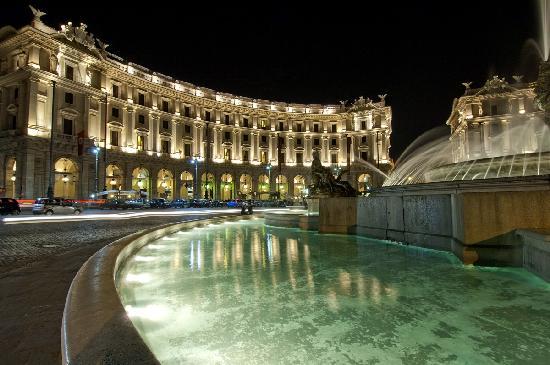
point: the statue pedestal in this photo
(312, 206)
(338, 215)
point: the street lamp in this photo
(95, 151)
(195, 162)
(65, 180)
(268, 168)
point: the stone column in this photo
(236, 144)
(216, 151)
(25, 186)
(289, 156)
(33, 97)
(129, 129)
(307, 149)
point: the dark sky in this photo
(418, 52)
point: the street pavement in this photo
(39, 257)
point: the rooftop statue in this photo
(324, 182)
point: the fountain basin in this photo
(246, 293)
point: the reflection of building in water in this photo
(495, 120)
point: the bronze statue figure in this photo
(324, 184)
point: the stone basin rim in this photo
(95, 327)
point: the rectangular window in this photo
(299, 158)
(363, 125)
(282, 157)
(226, 119)
(141, 99)
(165, 146)
(207, 115)
(187, 129)
(299, 127)
(141, 143)
(494, 109)
(245, 137)
(227, 154)
(245, 122)
(227, 136)
(245, 155)
(364, 155)
(13, 122)
(263, 156)
(69, 72)
(333, 128)
(16, 93)
(364, 139)
(187, 111)
(141, 119)
(166, 124)
(281, 126)
(115, 91)
(264, 139)
(333, 141)
(316, 141)
(67, 126)
(165, 105)
(114, 112)
(263, 124)
(187, 150)
(69, 98)
(298, 142)
(333, 158)
(114, 138)
(316, 128)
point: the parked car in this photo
(9, 206)
(159, 203)
(56, 206)
(115, 204)
(234, 203)
(179, 203)
(137, 204)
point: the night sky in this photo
(418, 53)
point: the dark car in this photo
(115, 204)
(179, 203)
(9, 206)
(159, 203)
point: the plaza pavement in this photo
(38, 261)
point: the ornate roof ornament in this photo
(518, 78)
(37, 14)
(362, 104)
(467, 86)
(79, 35)
(495, 83)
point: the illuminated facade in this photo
(498, 119)
(156, 134)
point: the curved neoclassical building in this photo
(79, 119)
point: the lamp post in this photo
(268, 168)
(195, 162)
(13, 178)
(95, 151)
(65, 180)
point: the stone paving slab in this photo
(34, 280)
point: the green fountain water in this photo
(244, 293)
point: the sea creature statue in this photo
(324, 182)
